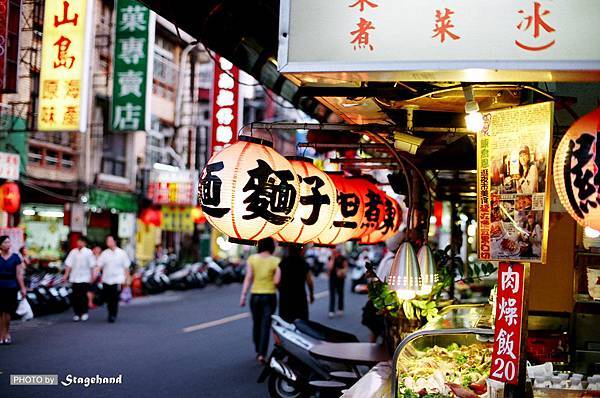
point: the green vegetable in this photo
(461, 359)
(452, 347)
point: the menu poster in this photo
(513, 183)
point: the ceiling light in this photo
(473, 119)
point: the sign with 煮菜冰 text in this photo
(474, 39)
(64, 74)
(225, 97)
(132, 66)
(508, 323)
(513, 177)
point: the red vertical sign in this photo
(509, 320)
(3, 39)
(225, 96)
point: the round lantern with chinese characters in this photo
(248, 191)
(317, 204)
(392, 220)
(374, 203)
(576, 170)
(348, 215)
(10, 197)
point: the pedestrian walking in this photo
(11, 282)
(337, 266)
(80, 272)
(114, 265)
(295, 277)
(263, 273)
(91, 294)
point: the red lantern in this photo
(10, 197)
(374, 203)
(198, 215)
(151, 216)
(388, 227)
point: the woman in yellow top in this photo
(262, 272)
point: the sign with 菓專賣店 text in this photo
(64, 82)
(513, 177)
(422, 37)
(132, 66)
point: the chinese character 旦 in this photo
(315, 199)
(349, 204)
(508, 311)
(49, 89)
(361, 35)
(443, 24)
(127, 117)
(210, 191)
(73, 88)
(71, 116)
(362, 3)
(506, 344)
(583, 179)
(130, 82)
(390, 215)
(132, 50)
(62, 57)
(510, 280)
(269, 196)
(65, 18)
(538, 22)
(372, 210)
(47, 114)
(133, 18)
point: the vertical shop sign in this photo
(132, 67)
(177, 219)
(509, 321)
(513, 177)
(10, 76)
(3, 38)
(9, 166)
(225, 97)
(64, 75)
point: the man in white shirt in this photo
(80, 272)
(114, 264)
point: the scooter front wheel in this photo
(280, 387)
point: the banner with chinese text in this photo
(508, 323)
(177, 219)
(9, 166)
(513, 177)
(64, 74)
(173, 187)
(3, 38)
(132, 66)
(225, 97)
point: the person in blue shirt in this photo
(11, 281)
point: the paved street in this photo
(194, 343)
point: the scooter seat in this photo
(324, 333)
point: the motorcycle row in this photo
(47, 293)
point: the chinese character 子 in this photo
(508, 311)
(443, 24)
(510, 280)
(316, 199)
(62, 58)
(49, 89)
(65, 18)
(362, 4)
(47, 114)
(372, 210)
(127, 117)
(271, 193)
(71, 116)
(130, 82)
(73, 88)
(506, 344)
(132, 50)
(388, 220)
(133, 18)
(361, 35)
(210, 191)
(583, 165)
(538, 22)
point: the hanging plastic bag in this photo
(24, 310)
(126, 294)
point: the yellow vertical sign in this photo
(64, 81)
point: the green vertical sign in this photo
(132, 67)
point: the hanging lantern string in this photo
(250, 126)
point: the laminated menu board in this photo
(513, 183)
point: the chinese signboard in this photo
(132, 67)
(173, 187)
(64, 75)
(3, 38)
(508, 325)
(225, 97)
(177, 219)
(10, 46)
(576, 167)
(513, 191)
(9, 166)
(422, 37)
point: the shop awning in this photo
(120, 201)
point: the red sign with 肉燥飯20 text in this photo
(509, 319)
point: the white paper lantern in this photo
(348, 216)
(318, 204)
(248, 191)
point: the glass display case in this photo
(450, 353)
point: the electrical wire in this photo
(49, 193)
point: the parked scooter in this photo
(290, 367)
